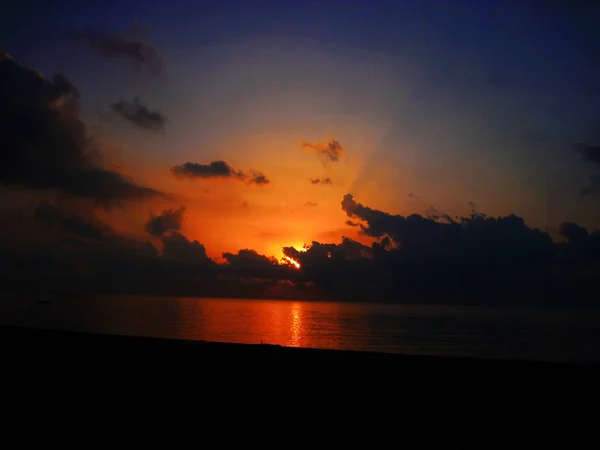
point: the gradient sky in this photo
(435, 103)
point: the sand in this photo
(46, 345)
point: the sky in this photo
(261, 125)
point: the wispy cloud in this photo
(258, 178)
(218, 169)
(214, 169)
(140, 115)
(328, 152)
(112, 45)
(321, 181)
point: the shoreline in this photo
(37, 344)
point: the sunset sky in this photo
(417, 106)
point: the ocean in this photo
(546, 334)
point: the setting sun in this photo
(292, 261)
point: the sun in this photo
(284, 259)
(291, 261)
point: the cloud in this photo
(593, 186)
(258, 178)
(113, 46)
(311, 204)
(249, 263)
(475, 259)
(590, 154)
(414, 259)
(440, 216)
(45, 145)
(489, 241)
(352, 224)
(582, 249)
(321, 180)
(168, 220)
(86, 255)
(214, 169)
(328, 152)
(69, 222)
(139, 114)
(217, 169)
(179, 255)
(317, 253)
(572, 231)
(63, 241)
(179, 248)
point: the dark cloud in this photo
(475, 258)
(572, 231)
(317, 253)
(593, 186)
(167, 226)
(249, 263)
(311, 204)
(168, 220)
(321, 180)
(477, 251)
(217, 169)
(140, 115)
(113, 46)
(86, 257)
(180, 256)
(258, 178)
(179, 248)
(341, 271)
(103, 185)
(214, 169)
(328, 152)
(581, 251)
(590, 154)
(71, 223)
(440, 216)
(491, 240)
(45, 145)
(414, 259)
(63, 242)
(352, 224)
(69, 248)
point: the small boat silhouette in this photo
(47, 297)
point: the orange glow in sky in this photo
(227, 215)
(320, 119)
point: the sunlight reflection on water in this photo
(527, 333)
(296, 325)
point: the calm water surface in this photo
(523, 333)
